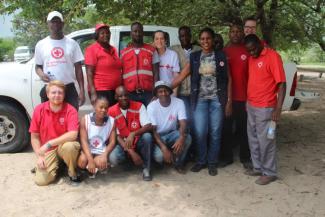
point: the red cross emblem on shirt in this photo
(96, 143)
(57, 52)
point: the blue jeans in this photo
(208, 117)
(169, 140)
(143, 147)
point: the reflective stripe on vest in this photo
(140, 72)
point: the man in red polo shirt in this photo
(265, 95)
(54, 130)
(237, 57)
(140, 66)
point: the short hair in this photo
(208, 30)
(238, 25)
(186, 28)
(101, 97)
(136, 23)
(250, 18)
(252, 38)
(55, 83)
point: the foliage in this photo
(7, 47)
(281, 21)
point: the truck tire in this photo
(14, 124)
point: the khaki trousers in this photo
(68, 152)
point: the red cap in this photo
(101, 25)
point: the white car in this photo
(23, 53)
(20, 86)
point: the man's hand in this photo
(93, 98)
(129, 140)
(43, 150)
(44, 77)
(91, 167)
(179, 145)
(228, 110)
(102, 162)
(167, 154)
(81, 98)
(41, 163)
(276, 114)
(136, 158)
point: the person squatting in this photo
(155, 105)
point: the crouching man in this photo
(165, 114)
(54, 130)
(133, 132)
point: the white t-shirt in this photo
(166, 118)
(144, 119)
(58, 58)
(98, 136)
(168, 66)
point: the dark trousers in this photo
(108, 94)
(71, 95)
(235, 132)
(144, 97)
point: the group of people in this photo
(156, 105)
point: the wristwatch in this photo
(48, 145)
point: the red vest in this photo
(137, 69)
(130, 123)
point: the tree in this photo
(281, 21)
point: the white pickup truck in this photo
(20, 86)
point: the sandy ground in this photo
(299, 192)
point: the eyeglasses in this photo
(250, 27)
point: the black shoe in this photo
(146, 175)
(197, 167)
(212, 170)
(75, 180)
(248, 165)
(180, 169)
(223, 164)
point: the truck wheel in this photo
(14, 125)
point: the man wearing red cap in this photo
(59, 58)
(104, 68)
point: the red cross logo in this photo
(57, 52)
(243, 57)
(260, 64)
(134, 125)
(145, 61)
(96, 143)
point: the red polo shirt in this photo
(108, 66)
(265, 72)
(51, 124)
(237, 57)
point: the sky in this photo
(5, 26)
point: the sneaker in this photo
(212, 170)
(75, 180)
(253, 172)
(197, 167)
(264, 180)
(248, 165)
(223, 164)
(146, 175)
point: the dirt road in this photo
(299, 192)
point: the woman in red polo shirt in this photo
(103, 66)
